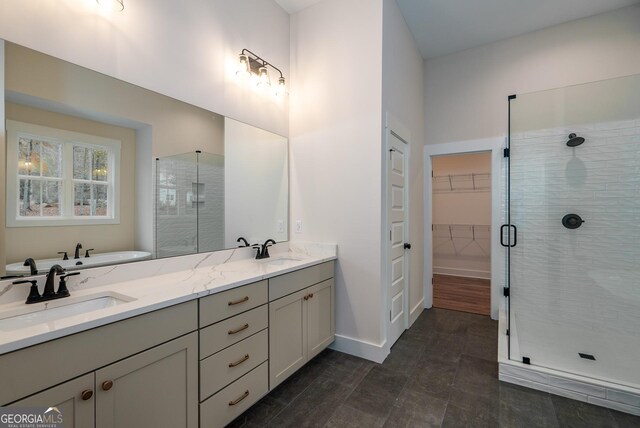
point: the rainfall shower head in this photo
(574, 140)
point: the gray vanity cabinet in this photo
(156, 388)
(288, 339)
(301, 319)
(142, 371)
(320, 317)
(74, 398)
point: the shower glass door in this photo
(574, 197)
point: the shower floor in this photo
(557, 346)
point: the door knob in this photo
(86, 394)
(407, 246)
(107, 385)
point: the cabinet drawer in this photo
(225, 333)
(222, 368)
(232, 302)
(229, 403)
(283, 285)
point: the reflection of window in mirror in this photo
(57, 177)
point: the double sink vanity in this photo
(197, 330)
(183, 342)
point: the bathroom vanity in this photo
(193, 347)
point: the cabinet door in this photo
(74, 399)
(287, 336)
(156, 388)
(320, 317)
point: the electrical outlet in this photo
(280, 226)
(298, 226)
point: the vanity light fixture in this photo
(263, 77)
(113, 5)
(250, 63)
(244, 69)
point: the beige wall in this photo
(462, 208)
(45, 242)
(177, 127)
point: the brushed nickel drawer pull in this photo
(239, 399)
(240, 361)
(237, 302)
(238, 330)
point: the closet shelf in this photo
(474, 182)
(462, 239)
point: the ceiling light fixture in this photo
(250, 63)
(112, 5)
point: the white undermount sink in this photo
(49, 312)
(280, 261)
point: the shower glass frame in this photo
(571, 293)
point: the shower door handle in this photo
(515, 235)
(502, 235)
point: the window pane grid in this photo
(41, 181)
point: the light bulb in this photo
(280, 90)
(113, 5)
(263, 77)
(244, 68)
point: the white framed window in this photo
(60, 178)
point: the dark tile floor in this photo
(441, 373)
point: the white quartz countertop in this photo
(150, 293)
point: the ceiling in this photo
(441, 27)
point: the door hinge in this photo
(506, 152)
(507, 332)
(505, 291)
(389, 315)
(526, 360)
(389, 234)
(431, 280)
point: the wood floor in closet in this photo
(462, 294)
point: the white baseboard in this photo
(467, 273)
(360, 348)
(415, 312)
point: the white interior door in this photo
(397, 215)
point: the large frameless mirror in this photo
(100, 171)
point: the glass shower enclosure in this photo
(574, 230)
(189, 204)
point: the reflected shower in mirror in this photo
(101, 171)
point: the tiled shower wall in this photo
(192, 223)
(577, 291)
(211, 208)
